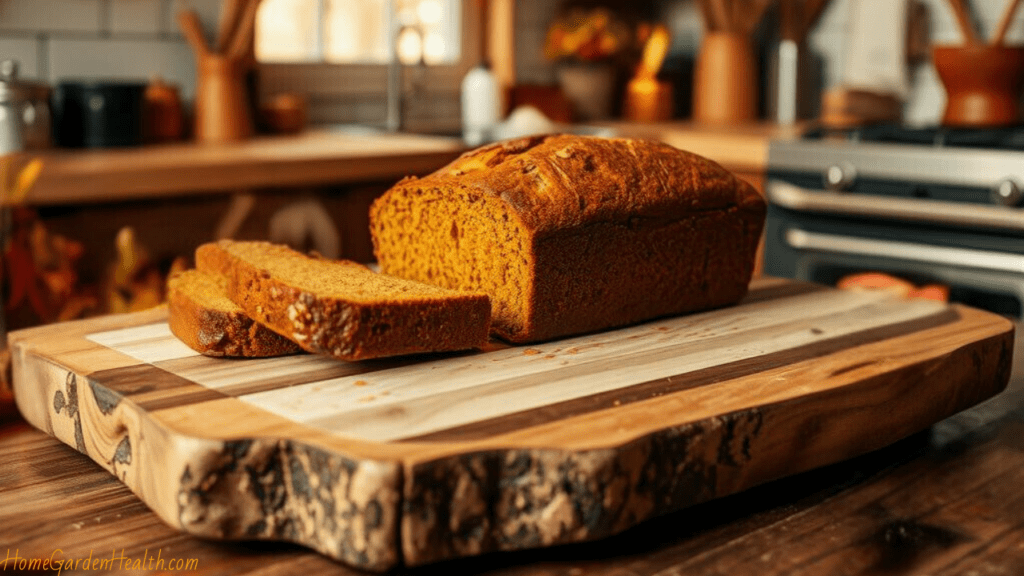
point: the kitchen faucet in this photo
(395, 119)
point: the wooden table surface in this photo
(947, 501)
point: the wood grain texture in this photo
(942, 502)
(804, 391)
(309, 159)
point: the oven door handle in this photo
(906, 251)
(957, 214)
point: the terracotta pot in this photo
(163, 116)
(223, 113)
(983, 84)
(285, 113)
(725, 80)
(589, 88)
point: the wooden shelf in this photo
(311, 159)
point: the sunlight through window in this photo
(358, 31)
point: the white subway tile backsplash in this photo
(136, 16)
(123, 59)
(370, 112)
(51, 15)
(25, 51)
(207, 10)
(535, 12)
(828, 41)
(532, 67)
(927, 101)
(834, 16)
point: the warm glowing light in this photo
(285, 30)
(406, 14)
(429, 11)
(359, 31)
(654, 52)
(433, 48)
(410, 46)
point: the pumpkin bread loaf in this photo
(343, 309)
(572, 234)
(201, 315)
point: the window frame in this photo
(329, 85)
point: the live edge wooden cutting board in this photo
(422, 459)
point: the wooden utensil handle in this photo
(963, 18)
(230, 14)
(246, 31)
(1004, 23)
(189, 23)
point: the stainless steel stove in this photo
(929, 205)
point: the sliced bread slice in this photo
(344, 309)
(202, 316)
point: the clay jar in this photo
(725, 80)
(589, 87)
(983, 84)
(222, 102)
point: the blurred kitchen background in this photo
(55, 40)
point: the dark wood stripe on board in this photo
(643, 391)
(153, 388)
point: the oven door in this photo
(977, 250)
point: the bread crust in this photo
(564, 182)
(217, 330)
(344, 325)
(603, 232)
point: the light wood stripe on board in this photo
(155, 344)
(387, 402)
(481, 429)
(415, 406)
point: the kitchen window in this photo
(357, 31)
(337, 52)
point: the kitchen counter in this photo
(313, 158)
(944, 501)
(320, 157)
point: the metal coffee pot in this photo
(25, 120)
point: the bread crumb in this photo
(531, 352)
(360, 383)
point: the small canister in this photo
(36, 117)
(31, 102)
(98, 114)
(13, 95)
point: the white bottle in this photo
(480, 104)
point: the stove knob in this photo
(1008, 193)
(840, 177)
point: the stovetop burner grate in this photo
(1001, 138)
